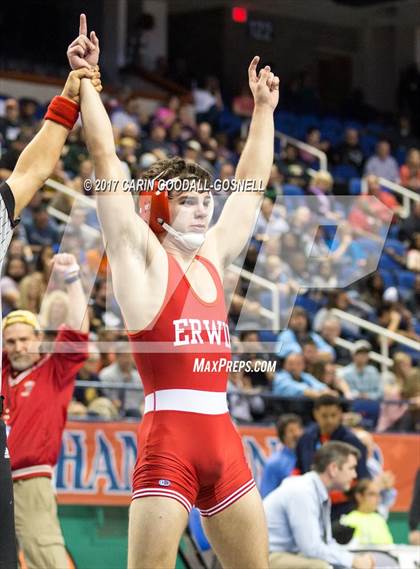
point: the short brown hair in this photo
(333, 451)
(284, 422)
(177, 168)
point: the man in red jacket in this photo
(37, 390)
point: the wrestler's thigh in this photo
(238, 534)
(156, 525)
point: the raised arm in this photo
(129, 243)
(39, 158)
(66, 265)
(254, 165)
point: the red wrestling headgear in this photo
(154, 207)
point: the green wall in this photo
(97, 536)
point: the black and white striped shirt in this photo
(7, 223)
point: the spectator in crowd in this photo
(253, 353)
(412, 301)
(330, 331)
(42, 230)
(37, 390)
(384, 479)
(298, 514)
(411, 224)
(292, 167)
(414, 513)
(320, 187)
(362, 378)
(349, 151)
(208, 101)
(123, 371)
(54, 310)
(410, 171)
(395, 382)
(15, 270)
(89, 372)
(404, 139)
(10, 123)
(243, 104)
(9, 159)
(382, 164)
(340, 299)
(410, 420)
(313, 138)
(31, 291)
(328, 415)
(291, 339)
(275, 186)
(292, 381)
(75, 151)
(327, 277)
(410, 259)
(270, 222)
(127, 114)
(157, 141)
(327, 373)
(281, 463)
(387, 198)
(370, 528)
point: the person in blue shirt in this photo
(291, 339)
(292, 381)
(282, 462)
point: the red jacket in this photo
(36, 402)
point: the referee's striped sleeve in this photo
(7, 220)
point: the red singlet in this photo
(188, 447)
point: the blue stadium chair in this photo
(406, 279)
(229, 123)
(310, 305)
(197, 531)
(291, 190)
(387, 263)
(368, 143)
(398, 247)
(388, 277)
(344, 172)
(394, 231)
(355, 186)
(400, 155)
(267, 336)
(417, 328)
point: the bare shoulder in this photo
(210, 251)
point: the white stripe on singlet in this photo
(187, 400)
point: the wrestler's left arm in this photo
(239, 213)
(39, 158)
(66, 265)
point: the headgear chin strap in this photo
(189, 242)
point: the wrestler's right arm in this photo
(129, 243)
(39, 158)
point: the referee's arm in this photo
(39, 158)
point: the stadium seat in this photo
(398, 247)
(344, 172)
(197, 531)
(388, 278)
(355, 186)
(291, 190)
(406, 279)
(310, 305)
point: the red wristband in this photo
(63, 111)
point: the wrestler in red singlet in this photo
(188, 447)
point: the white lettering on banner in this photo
(188, 332)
